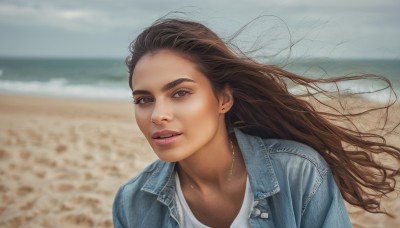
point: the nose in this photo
(160, 114)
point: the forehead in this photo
(162, 67)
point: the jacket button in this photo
(264, 215)
(257, 212)
(255, 203)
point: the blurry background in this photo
(100, 28)
(77, 48)
(68, 137)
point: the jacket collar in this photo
(258, 163)
(261, 173)
(162, 182)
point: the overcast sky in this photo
(104, 28)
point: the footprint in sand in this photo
(3, 188)
(40, 173)
(61, 148)
(80, 219)
(86, 188)
(27, 206)
(67, 206)
(4, 154)
(7, 199)
(24, 190)
(106, 223)
(111, 168)
(24, 155)
(88, 176)
(63, 187)
(45, 161)
(88, 157)
(86, 200)
(16, 222)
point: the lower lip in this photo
(166, 141)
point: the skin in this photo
(170, 93)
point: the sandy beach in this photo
(62, 161)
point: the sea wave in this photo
(61, 88)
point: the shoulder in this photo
(306, 178)
(300, 170)
(295, 155)
(258, 151)
(131, 202)
(140, 202)
(135, 184)
(131, 191)
(281, 159)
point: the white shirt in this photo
(187, 219)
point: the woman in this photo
(237, 149)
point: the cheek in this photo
(141, 118)
(199, 109)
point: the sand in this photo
(62, 161)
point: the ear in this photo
(225, 99)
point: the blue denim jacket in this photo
(292, 186)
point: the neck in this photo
(212, 167)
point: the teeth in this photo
(165, 136)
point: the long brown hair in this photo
(264, 106)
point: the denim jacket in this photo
(292, 186)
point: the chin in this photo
(168, 158)
(170, 155)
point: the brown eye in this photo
(180, 93)
(143, 100)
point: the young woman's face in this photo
(175, 107)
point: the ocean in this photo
(108, 78)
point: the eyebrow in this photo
(166, 87)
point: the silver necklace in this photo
(232, 165)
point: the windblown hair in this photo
(264, 106)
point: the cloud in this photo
(350, 27)
(46, 16)
(79, 17)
